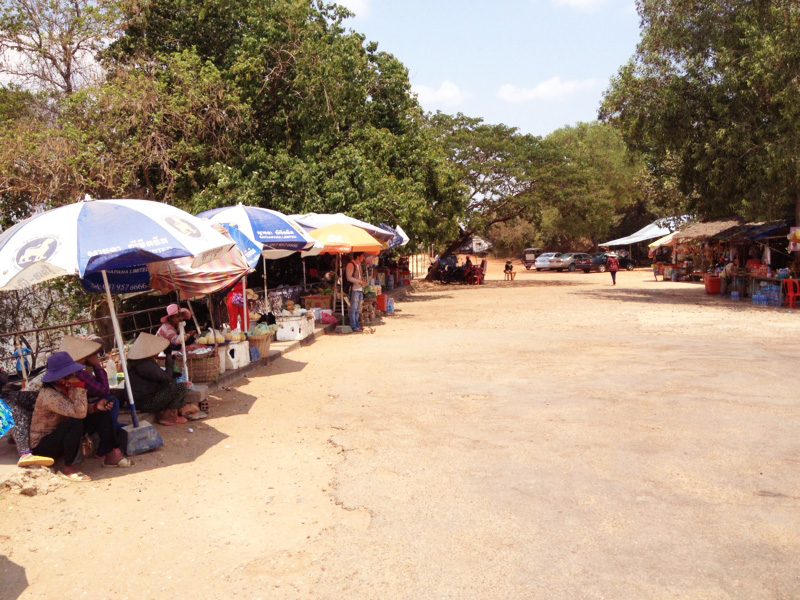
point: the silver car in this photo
(543, 261)
(567, 261)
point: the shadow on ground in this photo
(13, 580)
(695, 296)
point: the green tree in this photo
(332, 123)
(605, 181)
(711, 98)
(504, 175)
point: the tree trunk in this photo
(450, 250)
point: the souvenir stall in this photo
(339, 240)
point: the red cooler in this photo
(713, 285)
(382, 302)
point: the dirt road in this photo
(551, 437)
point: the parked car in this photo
(529, 256)
(542, 262)
(567, 261)
(597, 262)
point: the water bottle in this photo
(111, 372)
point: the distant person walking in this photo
(612, 264)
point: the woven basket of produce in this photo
(202, 368)
(261, 342)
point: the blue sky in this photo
(537, 65)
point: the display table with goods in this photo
(319, 297)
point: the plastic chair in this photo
(475, 277)
(792, 292)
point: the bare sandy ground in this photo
(551, 437)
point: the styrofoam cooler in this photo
(293, 328)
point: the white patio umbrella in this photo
(99, 235)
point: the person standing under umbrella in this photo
(355, 276)
(612, 264)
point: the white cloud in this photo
(552, 89)
(360, 7)
(581, 4)
(448, 94)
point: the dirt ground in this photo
(551, 437)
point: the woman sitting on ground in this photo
(154, 389)
(62, 416)
(94, 377)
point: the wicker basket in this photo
(261, 342)
(202, 369)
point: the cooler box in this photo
(713, 285)
(294, 328)
(381, 302)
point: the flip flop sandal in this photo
(197, 415)
(31, 460)
(77, 477)
(123, 463)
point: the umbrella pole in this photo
(121, 347)
(194, 317)
(244, 298)
(266, 297)
(305, 285)
(182, 332)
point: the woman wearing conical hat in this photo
(153, 388)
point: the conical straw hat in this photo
(78, 348)
(147, 345)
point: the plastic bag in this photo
(6, 420)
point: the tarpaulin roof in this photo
(656, 229)
(771, 229)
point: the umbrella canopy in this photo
(397, 239)
(340, 239)
(667, 240)
(179, 275)
(313, 221)
(101, 235)
(192, 282)
(278, 234)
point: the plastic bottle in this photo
(111, 372)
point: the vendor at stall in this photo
(62, 416)
(154, 389)
(727, 276)
(354, 274)
(170, 328)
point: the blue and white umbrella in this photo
(278, 235)
(100, 235)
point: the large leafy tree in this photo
(505, 176)
(606, 181)
(332, 123)
(711, 97)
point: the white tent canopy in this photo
(656, 229)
